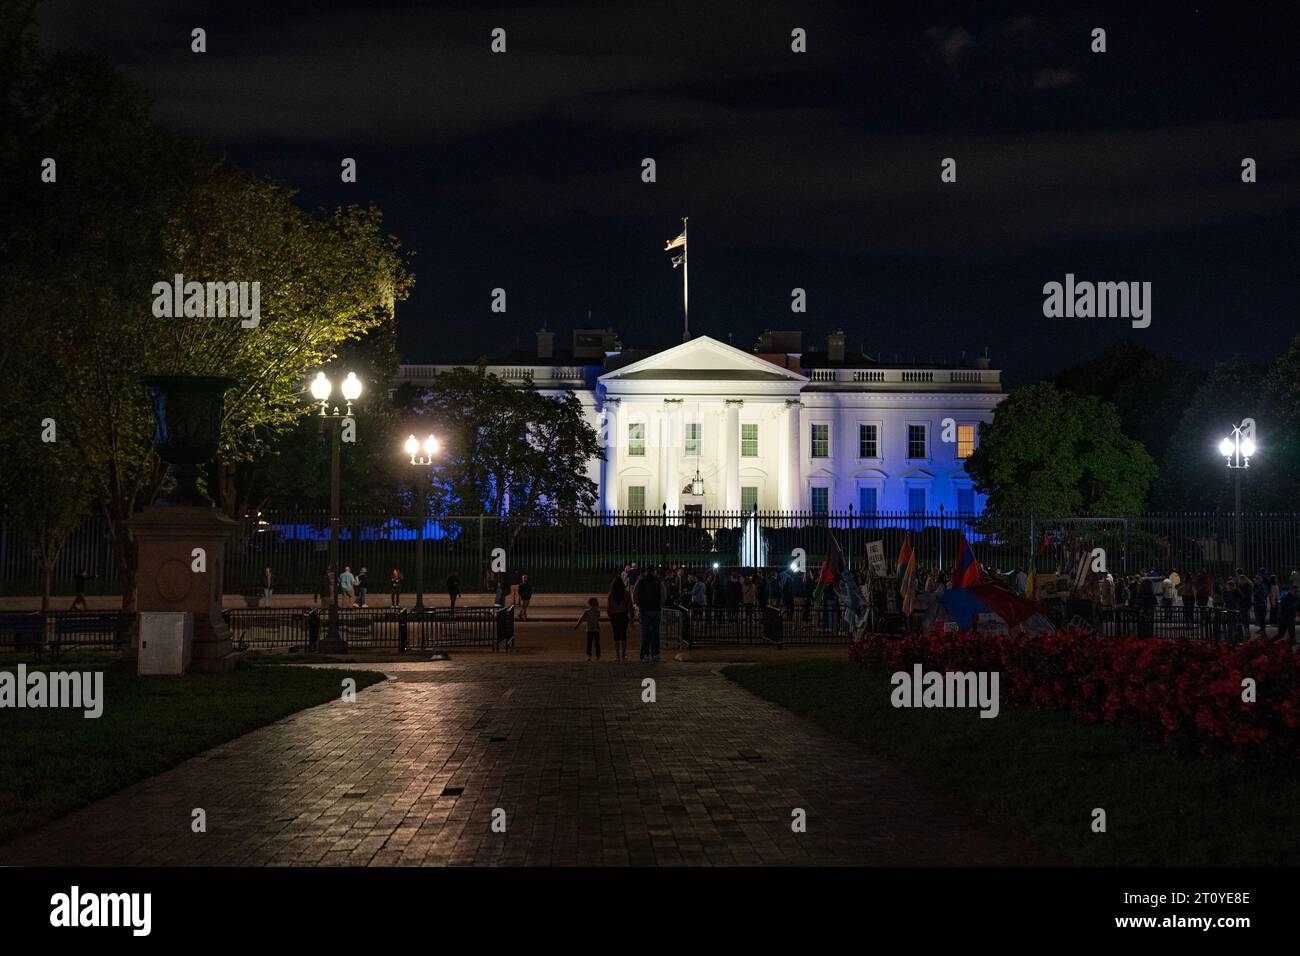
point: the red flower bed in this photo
(1186, 691)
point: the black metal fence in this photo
(583, 554)
(372, 629)
(749, 625)
(1189, 622)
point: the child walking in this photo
(591, 617)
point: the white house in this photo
(704, 425)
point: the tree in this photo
(1049, 451)
(133, 206)
(1148, 390)
(510, 451)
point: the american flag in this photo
(678, 243)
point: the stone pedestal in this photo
(166, 536)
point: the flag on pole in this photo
(967, 570)
(832, 567)
(1033, 567)
(906, 571)
(678, 260)
(678, 243)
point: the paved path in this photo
(587, 774)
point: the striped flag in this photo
(906, 571)
(678, 243)
(677, 260)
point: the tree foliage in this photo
(509, 450)
(1048, 451)
(133, 206)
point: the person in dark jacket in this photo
(1286, 615)
(395, 588)
(1259, 599)
(1146, 608)
(453, 588)
(649, 601)
(525, 595)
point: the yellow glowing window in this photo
(965, 440)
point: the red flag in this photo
(967, 570)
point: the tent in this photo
(987, 603)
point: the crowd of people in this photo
(1265, 604)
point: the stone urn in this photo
(187, 428)
(181, 541)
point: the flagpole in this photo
(686, 286)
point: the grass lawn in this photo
(1043, 773)
(54, 761)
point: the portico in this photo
(701, 407)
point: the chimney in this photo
(835, 346)
(545, 343)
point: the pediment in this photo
(703, 359)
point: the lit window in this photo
(821, 498)
(965, 440)
(693, 439)
(636, 498)
(821, 441)
(636, 439)
(868, 441)
(916, 441)
(749, 441)
(748, 499)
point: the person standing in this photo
(617, 606)
(649, 598)
(453, 588)
(1286, 615)
(347, 581)
(361, 588)
(268, 583)
(525, 595)
(395, 588)
(499, 581)
(591, 617)
(514, 588)
(1259, 597)
(79, 600)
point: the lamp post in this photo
(1237, 448)
(321, 387)
(413, 447)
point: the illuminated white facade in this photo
(779, 431)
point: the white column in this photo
(614, 432)
(794, 458)
(661, 414)
(672, 453)
(732, 453)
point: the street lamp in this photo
(321, 389)
(413, 447)
(1238, 448)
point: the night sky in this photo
(817, 170)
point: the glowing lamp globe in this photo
(352, 387)
(320, 387)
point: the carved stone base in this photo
(167, 537)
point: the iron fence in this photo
(371, 628)
(1186, 622)
(750, 624)
(584, 553)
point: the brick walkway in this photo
(587, 774)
